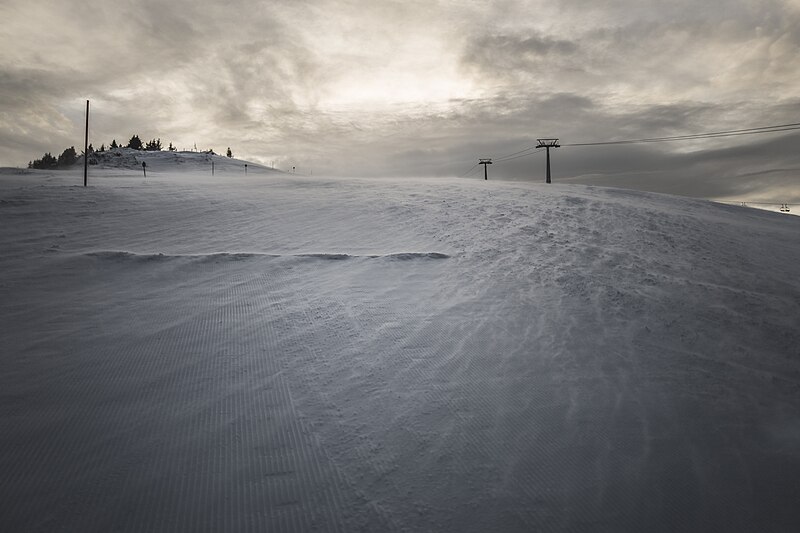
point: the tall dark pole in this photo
(547, 144)
(485, 162)
(86, 147)
(548, 165)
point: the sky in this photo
(419, 88)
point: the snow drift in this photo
(274, 353)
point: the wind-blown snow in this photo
(277, 353)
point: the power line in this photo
(468, 172)
(474, 167)
(728, 133)
(531, 150)
(523, 155)
(708, 135)
(509, 156)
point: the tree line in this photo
(69, 156)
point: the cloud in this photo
(505, 55)
(413, 87)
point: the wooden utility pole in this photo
(86, 147)
(485, 162)
(547, 144)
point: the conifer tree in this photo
(47, 161)
(153, 145)
(67, 157)
(135, 143)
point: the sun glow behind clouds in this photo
(378, 71)
(389, 87)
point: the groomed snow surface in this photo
(283, 353)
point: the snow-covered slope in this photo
(166, 161)
(271, 353)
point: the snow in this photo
(282, 353)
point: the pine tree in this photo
(47, 161)
(102, 148)
(171, 148)
(67, 157)
(229, 154)
(135, 143)
(113, 144)
(154, 145)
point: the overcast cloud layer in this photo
(364, 87)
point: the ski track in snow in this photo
(292, 354)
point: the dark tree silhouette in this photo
(47, 161)
(135, 143)
(153, 145)
(67, 157)
(113, 144)
(229, 153)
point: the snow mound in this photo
(114, 255)
(167, 161)
(402, 256)
(541, 358)
(407, 256)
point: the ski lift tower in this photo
(485, 162)
(547, 144)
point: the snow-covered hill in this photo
(167, 161)
(275, 353)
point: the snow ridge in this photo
(121, 255)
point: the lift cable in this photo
(708, 135)
(470, 171)
(518, 156)
(531, 150)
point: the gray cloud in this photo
(416, 87)
(503, 55)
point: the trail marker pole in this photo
(245, 168)
(485, 162)
(144, 168)
(547, 144)
(212, 167)
(86, 147)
